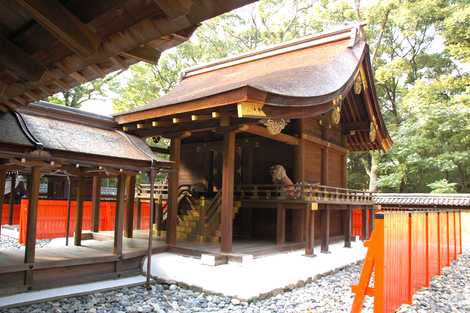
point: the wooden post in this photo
(325, 229)
(347, 227)
(371, 220)
(119, 217)
(30, 248)
(410, 268)
(95, 204)
(3, 175)
(139, 214)
(11, 205)
(364, 224)
(130, 206)
(309, 232)
(79, 211)
(226, 214)
(439, 263)
(173, 184)
(280, 225)
(299, 216)
(159, 212)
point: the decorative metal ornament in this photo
(274, 126)
(358, 85)
(335, 115)
(372, 132)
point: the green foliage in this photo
(442, 186)
(422, 89)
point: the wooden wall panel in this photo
(312, 162)
(269, 153)
(335, 169)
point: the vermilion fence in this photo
(16, 214)
(357, 222)
(406, 249)
(52, 217)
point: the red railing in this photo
(406, 249)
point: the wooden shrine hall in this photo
(44, 139)
(261, 142)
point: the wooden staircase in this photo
(202, 222)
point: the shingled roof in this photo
(424, 200)
(301, 78)
(54, 129)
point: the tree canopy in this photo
(420, 54)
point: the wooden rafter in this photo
(19, 62)
(65, 26)
(174, 8)
(144, 53)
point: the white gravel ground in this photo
(12, 243)
(332, 293)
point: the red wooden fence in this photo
(52, 217)
(16, 214)
(406, 249)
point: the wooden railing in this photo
(302, 192)
(143, 191)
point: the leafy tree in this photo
(78, 95)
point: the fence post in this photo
(439, 242)
(379, 279)
(410, 281)
(455, 239)
(448, 239)
(427, 248)
(460, 231)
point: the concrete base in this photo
(259, 276)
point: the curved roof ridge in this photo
(292, 45)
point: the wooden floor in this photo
(57, 265)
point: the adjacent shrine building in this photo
(261, 141)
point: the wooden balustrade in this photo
(302, 192)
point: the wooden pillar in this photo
(280, 225)
(3, 175)
(79, 211)
(159, 212)
(130, 206)
(173, 184)
(95, 204)
(226, 214)
(347, 221)
(310, 232)
(32, 215)
(139, 214)
(299, 216)
(325, 229)
(11, 205)
(119, 216)
(371, 220)
(365, 224)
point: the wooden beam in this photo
(129, 231)
(280, 225)
(173, 184)
(3, 175)
(11, 204)
(324, 143)
(263, 132)
(144, 53)
(63, 25)
(95, 204)
(19, 62)
(174, 8)
(325, 229)
(228, 171)
(79, 211)
(119, 217)
(347, 226)
(31, 220)
(309, 232)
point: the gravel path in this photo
(10, 242)
(331, 293)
